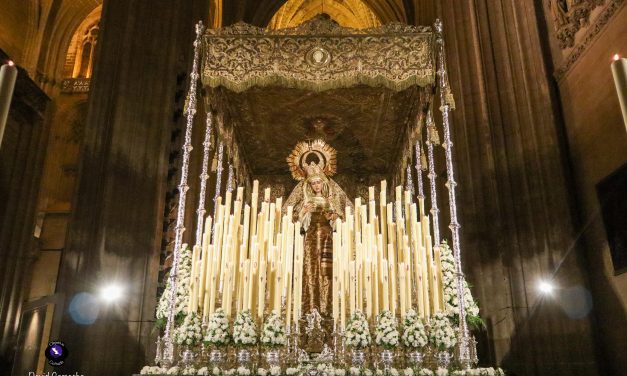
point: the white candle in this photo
(619, 71)
(352, 291)
(386, 286)
(8, 75)
(402, 284)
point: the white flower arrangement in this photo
(217, 333)
(367, 372)
(386, 334)
(153, 370)
(173, 371)
(190, 331)
(393, 372)
(243, 371)
(449, 284)
(203, 371)
(273, 371)
(291, 371)
(323, 368)
(216, 371)
(244, 330)
(354, 371)
(273, 333)
(339, 372)
(189, 371)
(414, 333)
(183, 278)
(357, 333)
(425, 372)
(442, 335)
(408, 372)
(479, 372)
(441, 372)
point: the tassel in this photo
(434, 136)
(423, 160)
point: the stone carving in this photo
(600, 22)
(569, 16)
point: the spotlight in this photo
(546, 287)
(111, 293)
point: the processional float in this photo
(238, 290)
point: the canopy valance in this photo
(318, 55)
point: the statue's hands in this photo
(308, 207)
(331, 216)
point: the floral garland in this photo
(386, 333)
(414, 333)
(217, 329)
(244, 330)
(183, 278)
(190, 331)
(441, 333)
(273, 333)
(449, 283)
(357, 332)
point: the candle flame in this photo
(616, 57)
(11, 63)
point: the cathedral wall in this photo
(13, 28)
(598, 146)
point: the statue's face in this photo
(316, 185)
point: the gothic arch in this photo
(80, 53)
(349, 13)
(260, 12)
(60, 28)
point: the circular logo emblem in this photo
(56, 353)
(318, 57)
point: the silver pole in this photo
(183, 187)
(446, 105)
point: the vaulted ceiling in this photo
(260, 12)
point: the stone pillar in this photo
(21, 163)
(116, 227)
(515, 204)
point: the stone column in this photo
(21, 163)
(515, 204)
(115, 230)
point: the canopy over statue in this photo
(281, 266)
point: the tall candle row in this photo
(384, 259)
(250, 259)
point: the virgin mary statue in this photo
(317, 202)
